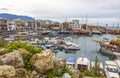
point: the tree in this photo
(96, 70)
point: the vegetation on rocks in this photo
(53, 73)
(3, 43)
(16, 45)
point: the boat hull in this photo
(106, 51)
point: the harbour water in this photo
(87, 47)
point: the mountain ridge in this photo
(14, 16)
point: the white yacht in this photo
(118, 64)
(71, 46)
(82, 63)
(111, 69)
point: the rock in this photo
(66, 75)
(14, 59)
(43, 61)
(75, 73)
(7, 71)
(21, 73)
(35, 74)
(2, 51)
(59, 64)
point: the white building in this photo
(11, 25)
(75, 24)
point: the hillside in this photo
(12, 16)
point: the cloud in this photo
(60, 9)
(5, 9)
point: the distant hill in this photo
(12, 16)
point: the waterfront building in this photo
(55, 26)
(20, 25)
(11, 25)
(75, 24)
(98, 28)
(65, 25)
(3, 26)
(113, 31)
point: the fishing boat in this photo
(111, 47)
(82, 63)
(111, 69)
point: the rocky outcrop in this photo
(2, 51)
(36, 74)
(75, 73)
(7, 71)
(66, 75)
(43, 61)
(21, 73)
(13, 59)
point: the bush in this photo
(87, 73)
(81, 75)
(27, 62)
(15, 45)
(53, 73)
(65, 69)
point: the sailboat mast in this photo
(113, 24)
(86, 21)
(97, 23)
(86, 28)
(118, 24)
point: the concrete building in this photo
(11, 25)
(20, 25)
(3, 26)
(75, 24)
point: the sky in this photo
(101, 11)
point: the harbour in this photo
(60, 39)
(87, 47)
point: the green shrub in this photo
(87, 73)
(18, 44)
(53, 72)
(26, 59)
(81, 75)
(15, 45)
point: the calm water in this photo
(87, 46)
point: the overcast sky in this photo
(103, 11)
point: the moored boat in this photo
(82, 63)
(118, 64)
(70, 62)
(71, 46)
(111, 69)
(96, 32)
(111, 47)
